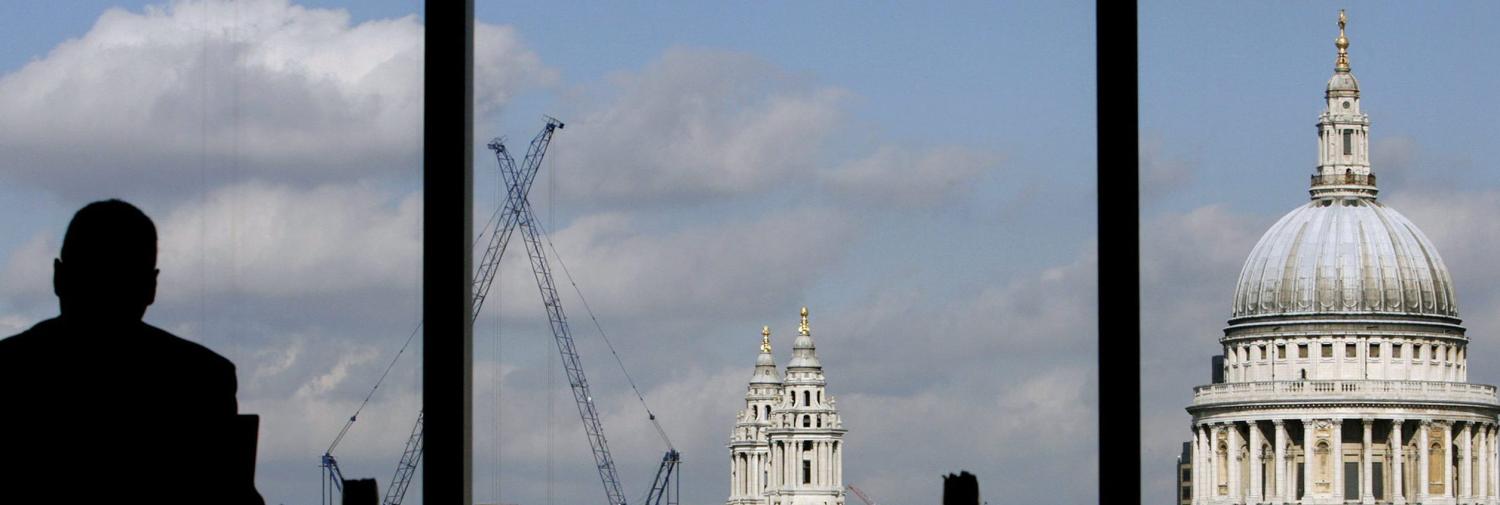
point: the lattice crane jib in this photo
(505, 214)
(484, 276)
(572, 365)
(407, 467)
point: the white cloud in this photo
(907, 178)
(27, 273)
(1162, 172)
(698, 124)
(144, 101)
(634, 271)
(271, 240)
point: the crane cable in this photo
(361, 408)
(659, 431)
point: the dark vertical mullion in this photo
(447, 182)
(1119, 350)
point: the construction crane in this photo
(504, 220)
(861, 495)
(407, 467)
(517, 181)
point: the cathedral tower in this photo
(787, 447)
(749, 458)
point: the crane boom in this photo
(572, 365)
(861, 495)
(659, 486)
(408, 465)
(489, 264)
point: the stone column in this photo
(1494, 456)
(1280, 462)
(1208, 462)
(1211, 442)
(1448, 459)
(1366, 463)
(1307, 456)
(1397, 476)
(1233, 453)
(1465, 464)
(1423, 465)
(1338, 453)
(1482, 487)
(825, 464)
(1197, 465)
(1493, 453)
(1255, 458)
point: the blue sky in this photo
(1229, 94)
(921, 178)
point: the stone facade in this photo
(1345, 367)
(787, 445)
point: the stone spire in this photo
(765, 364)
(804, 353)
(1343, 134)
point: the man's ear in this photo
(151, 292)
(58, 277)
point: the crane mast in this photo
(558, 321)
(489, 264)
(506, 214)
(861, 495)
(515, 213)
(407, 467)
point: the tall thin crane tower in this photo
(861, 495)
(518, 182)
(516, 212)
(504, 220)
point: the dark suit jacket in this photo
(127, 413)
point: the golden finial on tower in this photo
(803, 330)
(765, 339)
(1343, 44)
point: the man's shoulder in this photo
(186, 349)
(32, 337)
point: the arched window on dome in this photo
(806, 399)
(806, 421)
(768, 412)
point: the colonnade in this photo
(1256, 462)
(747, 474)
(825, 467)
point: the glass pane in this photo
(276, 147)
(921, 180)
(1258, 230)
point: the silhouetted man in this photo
(98, 406)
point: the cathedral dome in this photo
(1344, 256)
(1343, 81)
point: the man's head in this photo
(107, 269)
